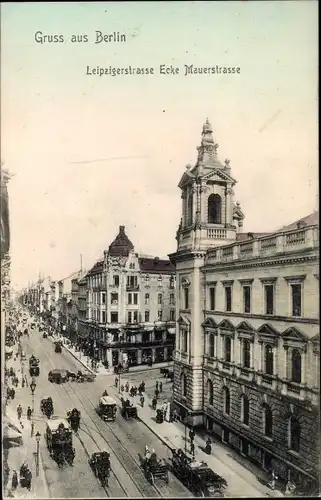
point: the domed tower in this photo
(209, 215)
(210, 218)
(121, 246)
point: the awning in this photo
(171, 330)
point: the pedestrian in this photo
(192, 449)
(23, 382)
(142, 400)
(154, 403)
(116, 381)
(273, 479)
(29, 412)
(19, 412)
(157, 385)
(156, 393)
(174, 415)
(127, 386)
(122, 388)
(14, 480)
(12, 393)
(161, 387)
(28, 479)
(192, 435)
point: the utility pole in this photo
(80, 264)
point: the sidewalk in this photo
(101, 370)
(238, 476)
(27, 451)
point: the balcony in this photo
(132, 288)
(138, 343)
(284, 242)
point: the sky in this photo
(89, 153)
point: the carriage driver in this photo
(147, 453)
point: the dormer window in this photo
(132, 265)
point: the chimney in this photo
(301, 224)
(156, 259)
(251, 236)
(121, 229)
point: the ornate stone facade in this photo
(247, 335)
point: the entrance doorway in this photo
(267, 461)
(244, 447)
(226, 435)
(209, 424)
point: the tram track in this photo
(132, 468)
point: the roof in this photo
(121, 246)
(97, 268)
(107, 400)
(308, 220)
(54, 423)
(156, 265)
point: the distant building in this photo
(247, 358)
(130, 306)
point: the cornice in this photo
(250, 264)
(268, 318)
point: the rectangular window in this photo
(147, 277)
(147, 316)
(269, 299)
(172, 299)
(247, 299)
(146, 298)
(135, 316)
(114, 298)
(114, 317)
(160, 315)
(132, 281)
(116, 280)
(129, 316)
(172, 315)
(160, 298)
(186, 302)
(129, 298)
(135, 298)
(212, 299)
(296, 295)
(103, 317)
(228, 298)
(103, 298)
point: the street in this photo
(124, 440)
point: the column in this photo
(109, 357)
(237, 350)
(153, 355)
(165, 354)
(256, 355)
(139, 356)
(183, 197)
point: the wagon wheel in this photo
(151, 478)
(201, 493)
(167, 478)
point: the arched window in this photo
(214, 208)
(245, 409)
(294, 434)
(296, 366)
(227, 401)
(190, 209)
(210, 395)
(246, 353)
(212, 345)
(267, 421)
(227, 349)
(268, 359)
(183, 384)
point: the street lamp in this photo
(186, 423)
(37, 455)
(33, 386)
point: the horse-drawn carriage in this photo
(107, 408)
(59, 441)
(46, 407)
(100, 464)
(58, 346)
(197, 476)
(128, 409)
(34, 369)
(155, 468)
(73, 418)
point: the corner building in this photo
(130, 306)
(247, 361)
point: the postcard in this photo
(160, 249)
